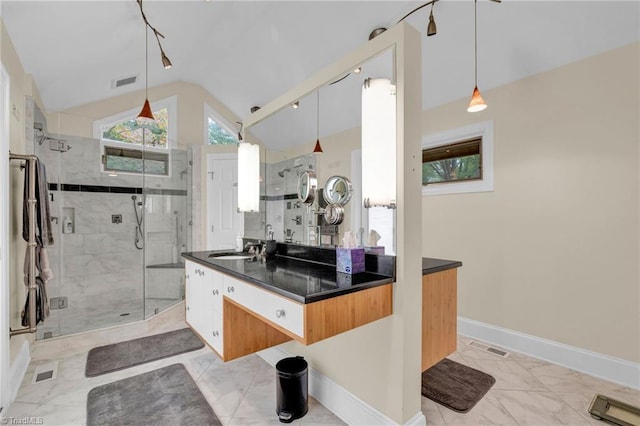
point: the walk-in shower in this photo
(120, 260)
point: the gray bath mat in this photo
(105, 359)
(455, 386)
(167, 396)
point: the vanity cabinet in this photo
(275, 309)
(439, 315)
(203, 299)
(236, 318)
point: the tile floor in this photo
(242, 392)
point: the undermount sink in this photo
(230, 256)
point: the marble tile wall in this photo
(288, 218)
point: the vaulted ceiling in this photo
(246, 53)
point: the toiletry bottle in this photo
(239, 243)
(67, 225)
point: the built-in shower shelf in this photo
(176, 265)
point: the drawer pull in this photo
(230, 289)
(280, 313)
(215, 292)
(215, 333)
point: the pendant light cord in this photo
(318, 115)
(146, 62)
(475, 31)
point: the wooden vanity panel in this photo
(439, 316)
(245, 333)
(332, 316)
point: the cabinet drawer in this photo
(283, 312)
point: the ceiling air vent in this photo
(123, 81)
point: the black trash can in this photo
(292, 389)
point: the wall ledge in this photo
(337, 399)
(595, 364)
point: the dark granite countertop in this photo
(430, 265)
(298, 280)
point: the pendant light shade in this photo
(431, 28)
(317, 149)
(166, 63)
(477, 103)
(145, 116)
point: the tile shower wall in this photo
(287, 216)
(97, 267)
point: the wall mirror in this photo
(288, 128)
(307, 187)
(337, 190)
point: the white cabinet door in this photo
(193, 294)
(277, 309)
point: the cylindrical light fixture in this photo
(248, 177)
(379, 143)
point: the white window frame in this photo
(210, 112)
(171, 105)
(484, 130)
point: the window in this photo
(217, 130)
(130, 148)
(458, 161)
(135, 161)
(129, 131)
(453, 162)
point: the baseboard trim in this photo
(18, 369)
(595, 364)
(337, 399)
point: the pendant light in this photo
(431, 28)
(477, 103)
(146, 116)
(318, 149)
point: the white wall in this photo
(554, 251)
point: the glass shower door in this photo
(166, 234)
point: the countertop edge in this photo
(432, 265)
(292, 296)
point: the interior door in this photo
(224, 222)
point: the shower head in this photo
(282, 172)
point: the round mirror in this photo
(334, 214)
(337, 190)
(307, 185)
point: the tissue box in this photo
(350, 260)
(374, 249)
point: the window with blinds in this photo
(454, 162)
(135, 161)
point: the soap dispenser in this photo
(239, 246)
(67, 225)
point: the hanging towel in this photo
(44, 234)
(42, 304)
(43, 269)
